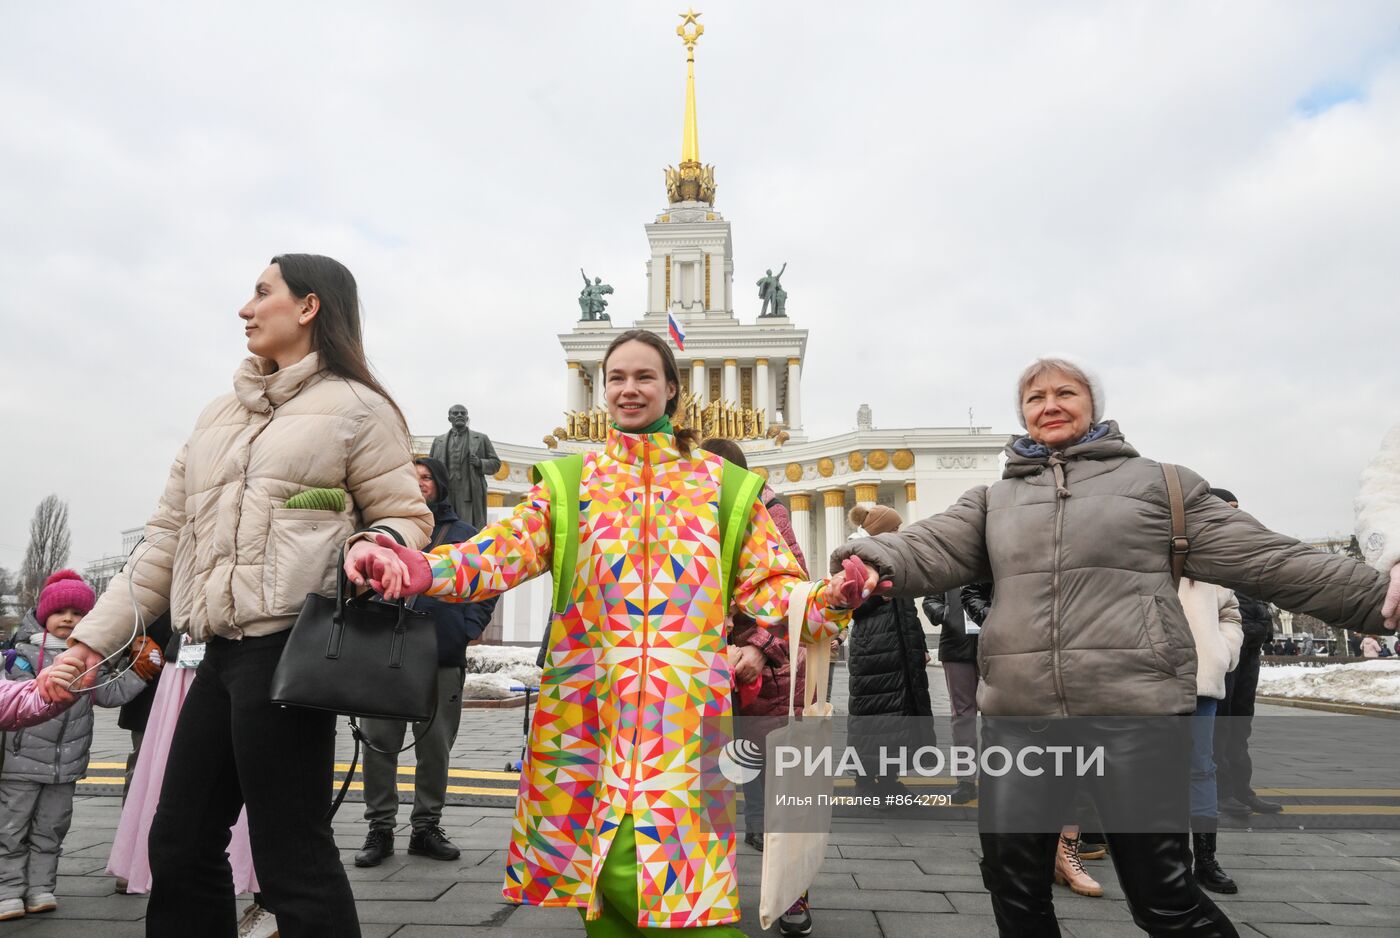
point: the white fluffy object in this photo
(493, 669)
(1378, 505)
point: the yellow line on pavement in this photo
(343, 767)
(1333, 792)
(1361, 809)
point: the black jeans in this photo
(232, 747)
(1234, 719)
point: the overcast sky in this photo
(1200, 199)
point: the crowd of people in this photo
(1088, 585)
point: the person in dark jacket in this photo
(957, 652)
(458, 624)
(1234, 715)
(133, 716)
(887, 655)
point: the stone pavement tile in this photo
(951, 865)
(475, 892)
(1247, 910)
(422, 890)
(920, 883)
(884, 901)
(864, 838)
(873, 867)
(104, 908)
(80, 866)
(1336, 914)
(1386, 876)
(38, 927)
(1084, 928)
(535, 917)
(85, 886)
(1342, 887)
(1360, 864)
(1272, 930)
(918, 925)
(428, 913)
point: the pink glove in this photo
(854, 576)
(420, 575)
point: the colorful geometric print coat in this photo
(636, 682)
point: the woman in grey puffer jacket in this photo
(1086, 623)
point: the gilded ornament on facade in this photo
(825, 467)
(502, 473)
(762, 472)
(903, 459)
(794, 472)
(856, 460)
(878, 459)
(718, 418)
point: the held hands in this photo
(745, 663)
(76, 668)
(1390, 610)
(854, 584)
(390, 569)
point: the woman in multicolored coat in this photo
(622, 813)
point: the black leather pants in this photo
(1153, 863)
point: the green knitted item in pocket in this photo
(318, 500)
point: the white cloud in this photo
(955, 189)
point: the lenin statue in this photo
(469, 458)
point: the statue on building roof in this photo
(591, 304)
(771, 292)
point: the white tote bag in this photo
(796, 819)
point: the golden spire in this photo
(690, 142)
(693, 182)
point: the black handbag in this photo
(360, 656)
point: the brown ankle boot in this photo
(1069, 869)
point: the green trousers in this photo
(618, 888)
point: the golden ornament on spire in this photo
(693, 182)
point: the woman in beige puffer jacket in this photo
(233, 565)
(1086, 623)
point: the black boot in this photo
(1260, 806)
(1206, 868)
(379, 843)
(1163, 897)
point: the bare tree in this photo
(48, 547)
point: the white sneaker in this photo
(40, 902)
(11, 909)
(257, 922)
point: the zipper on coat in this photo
(646, 614)
(1055, 606)
(58, 746)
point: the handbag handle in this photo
(342, 583)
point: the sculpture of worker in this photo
(590, 299)
(770, 290)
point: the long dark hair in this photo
(687, 438)
(335, 332)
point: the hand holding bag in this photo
(362, 657)
(796, 833)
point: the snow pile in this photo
(1372, 682)
(493, 669)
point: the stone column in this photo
(700, 381)
(598, 399)
(730, 386)
(868, 492)
(911, 508)
(760, 389)
(800, 507)
(835, 502)
(574, 393)
(793, 416)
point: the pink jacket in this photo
(21, 705)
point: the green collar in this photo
(662, 425)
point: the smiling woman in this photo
(1078, 540)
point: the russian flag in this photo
(677, 336)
